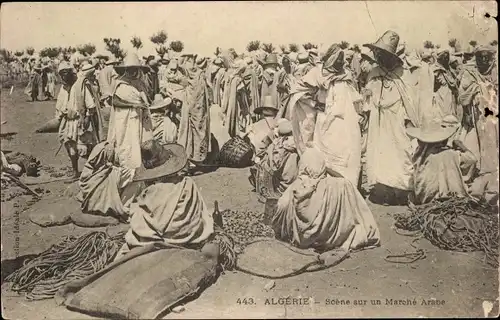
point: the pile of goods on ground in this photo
(458, 224)
(72, 259)
(29, 164)
(245, 226)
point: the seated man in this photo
(105, 187)
(170, 209)
(260, 133)
(437, 167)
(323, 212)
(280, 161)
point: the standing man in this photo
(389, 149)
(130, 119)
(79, 130)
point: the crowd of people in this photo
(419, 125)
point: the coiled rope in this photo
(71, 259)
(456, 224)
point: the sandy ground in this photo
(461, 280)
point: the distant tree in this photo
(293, 47)
(159, 38)
(309, 46)
(428, 44)
(136, 42)
(344, 44)
(50, 52)
(177, 46)
(356, 48)
(494, 43)
(268, 47)
(30, 51)
(69, 50)
(283, 49)
(7, 56)
(113, 46)
(19, 53)
(473, 43)
(253, 45)
(452, 43)
(162, 51)
(86, 50)
(438, 46)
(217, 51)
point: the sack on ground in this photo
(53, 211)
(86, 220)
(142, 286)
(50, 126)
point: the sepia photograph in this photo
(249, 159)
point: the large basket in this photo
(236, 153)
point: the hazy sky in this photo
(204, 25)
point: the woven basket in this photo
(236, 153)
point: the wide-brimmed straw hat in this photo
(436, 131)
(87, 68)
(159, 102)
(201, 62)
(64, 65)
(160, 160)
(387, 43)
(266, 105)
(131, 61)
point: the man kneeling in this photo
(324, 212)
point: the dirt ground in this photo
(462, 284)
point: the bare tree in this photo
(136, 42)
(253, 45)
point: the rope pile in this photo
(457, 224)
(72, 259)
